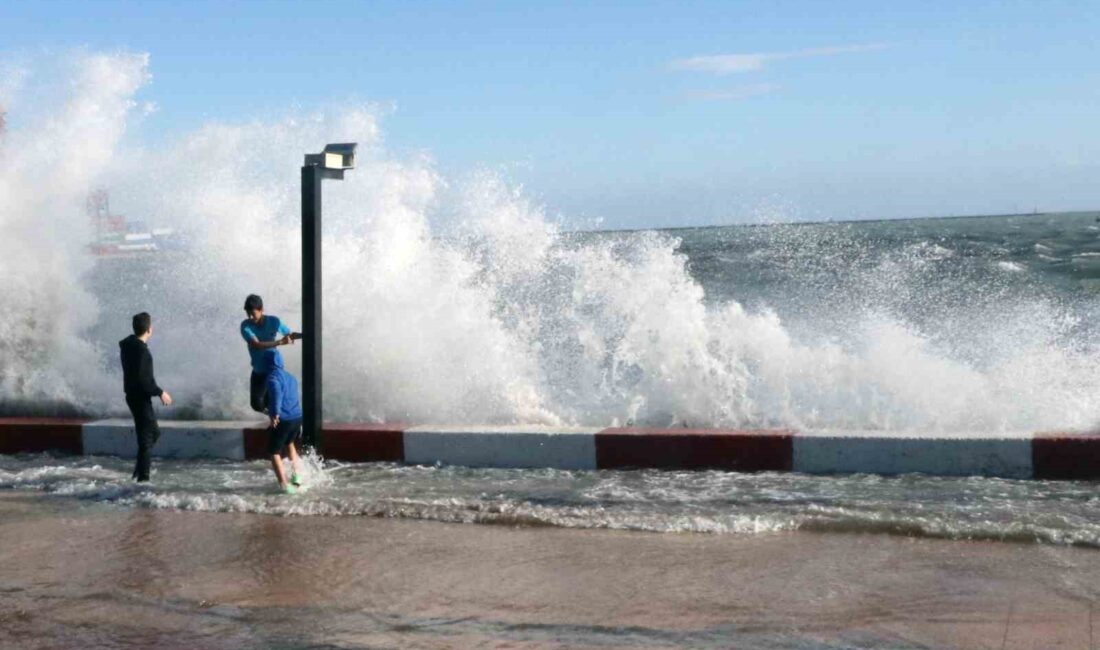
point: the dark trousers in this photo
(257, 392)
(148, 432)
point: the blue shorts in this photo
(279, 437)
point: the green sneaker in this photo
(295, 480)
(290, 489)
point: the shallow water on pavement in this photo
(77, 574)
(1049, 512)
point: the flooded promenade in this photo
(77, 574)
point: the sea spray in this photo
(47, 168)
(457, 300)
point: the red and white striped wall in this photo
(1068, 455)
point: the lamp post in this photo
(330, 163)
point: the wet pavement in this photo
(76, 574)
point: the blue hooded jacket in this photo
(282, 388)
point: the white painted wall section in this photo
(1003, 455)
(511, 446)
(178, 439)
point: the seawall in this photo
(1047, 455)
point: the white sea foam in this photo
(457, 300)
(1057, 512)
(46, 169)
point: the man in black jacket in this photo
(141, 387)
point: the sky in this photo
(635, 115)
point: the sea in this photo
(976, 324)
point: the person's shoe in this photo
(295, 480)
(290, 489)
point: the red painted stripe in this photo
(358, 443)
(362, 443)
(32, 435)
(1066, 455)
(743, 451)
(255, 443)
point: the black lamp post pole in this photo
(311, 303)
(330, 163)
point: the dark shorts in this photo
(257, 391)
(279, 437)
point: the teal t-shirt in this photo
(269, 329)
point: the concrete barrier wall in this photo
(1062, 455)
(1066, 456)
(1007, 456)
(735, 450)
(35, 435)
(558, 447)
(178, 439)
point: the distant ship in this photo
(114, 235)
(117, 236)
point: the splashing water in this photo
(45, 173)
(457, 300)
(1046, 512)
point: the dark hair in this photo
(142, 323)
(253, 302)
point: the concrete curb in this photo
(1050, 455)
(33, 435)
(1003, 455)
(534, 446)
(1066, 455)
(742, 451)
(178, 439)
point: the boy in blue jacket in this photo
(285, 413)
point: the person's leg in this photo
(147, 431)
(135, 411)
(276, 443)
(153, 435)
(144, 461)
(295, 463)
(277, 465)
(257, 392)
(154, 426)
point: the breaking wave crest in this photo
(458, 300)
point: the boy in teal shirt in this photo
(262, 333)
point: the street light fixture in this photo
(330, 163)
(334, 157)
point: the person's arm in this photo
(148, 382)
(286, 333)
(257, 344)
(254, 342)
(275, 400)
(145, 375)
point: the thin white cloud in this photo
(734, 94)
(723, 64)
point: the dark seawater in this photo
(920, 270)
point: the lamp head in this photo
(336, 156)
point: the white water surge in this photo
(1047, 512)
(456, 299)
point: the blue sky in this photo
(655, 113)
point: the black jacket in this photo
(137, 369)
